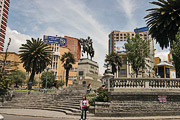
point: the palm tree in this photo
(115, 60)
(164, 21)
(36, 56)
(67, 59)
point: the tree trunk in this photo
(32, 76)
(67, 76)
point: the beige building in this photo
(117, 39)
(57, 65)
(13, 61)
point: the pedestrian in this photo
(89, 88)
(84, 104)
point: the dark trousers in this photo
(83, 111)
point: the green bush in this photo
(102, 95)
(91, 97)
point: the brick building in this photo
(4, 8)
(74, 47)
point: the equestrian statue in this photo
(87, 47)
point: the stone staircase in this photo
(66, 101)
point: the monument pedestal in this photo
(87, 72)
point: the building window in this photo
(55, 74)
(132, 34)
(117, 37)
(117, 34)
(56, 65)
(121, 37)
(124, 37)
(70, 77)
(120, 34)
(124, 34)
(53, 65)
(81, 72)
(71, 69)
(123, 71)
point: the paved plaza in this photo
(30, 114)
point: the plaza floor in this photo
(61, 116)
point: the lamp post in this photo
(46, 79)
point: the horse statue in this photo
(87, 47)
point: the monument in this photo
(88, 70)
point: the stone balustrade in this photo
(144, 83)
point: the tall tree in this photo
(18, 77)
(50, 79)
(164, 21)
(115, 60)
(137, 50)
(175, 50)
(36, 56)
(67, 59)
(3, 73)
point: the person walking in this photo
(89, 88)
(84, 104)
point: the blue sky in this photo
(76, 18)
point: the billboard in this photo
(120, 47)
(55, 40)
(141, 29)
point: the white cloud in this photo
(129, 8)
(16, 39)
(51, 31)
(163, 54)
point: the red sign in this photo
(162, 98)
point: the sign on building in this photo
(143, 29)
(55, 40)
(120, 47)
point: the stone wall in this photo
(140, 104)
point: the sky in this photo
(76, 18)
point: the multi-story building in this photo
(59, 47)
(13, 61)
(4, 8)
(117, 39)
(74, 46)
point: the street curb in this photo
(32, 116)
(104, 118)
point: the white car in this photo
(1, 117)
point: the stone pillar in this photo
(107, 77)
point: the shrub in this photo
(91, 97)
(102, 95)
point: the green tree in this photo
(137, 50)
(18, 77)
(175, 50)
(50, 79)
(67, 59)
(164, 21)
(115, 60)
(3, 73)
(36, 56)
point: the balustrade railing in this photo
(144, 83)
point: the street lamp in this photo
(46, 79)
